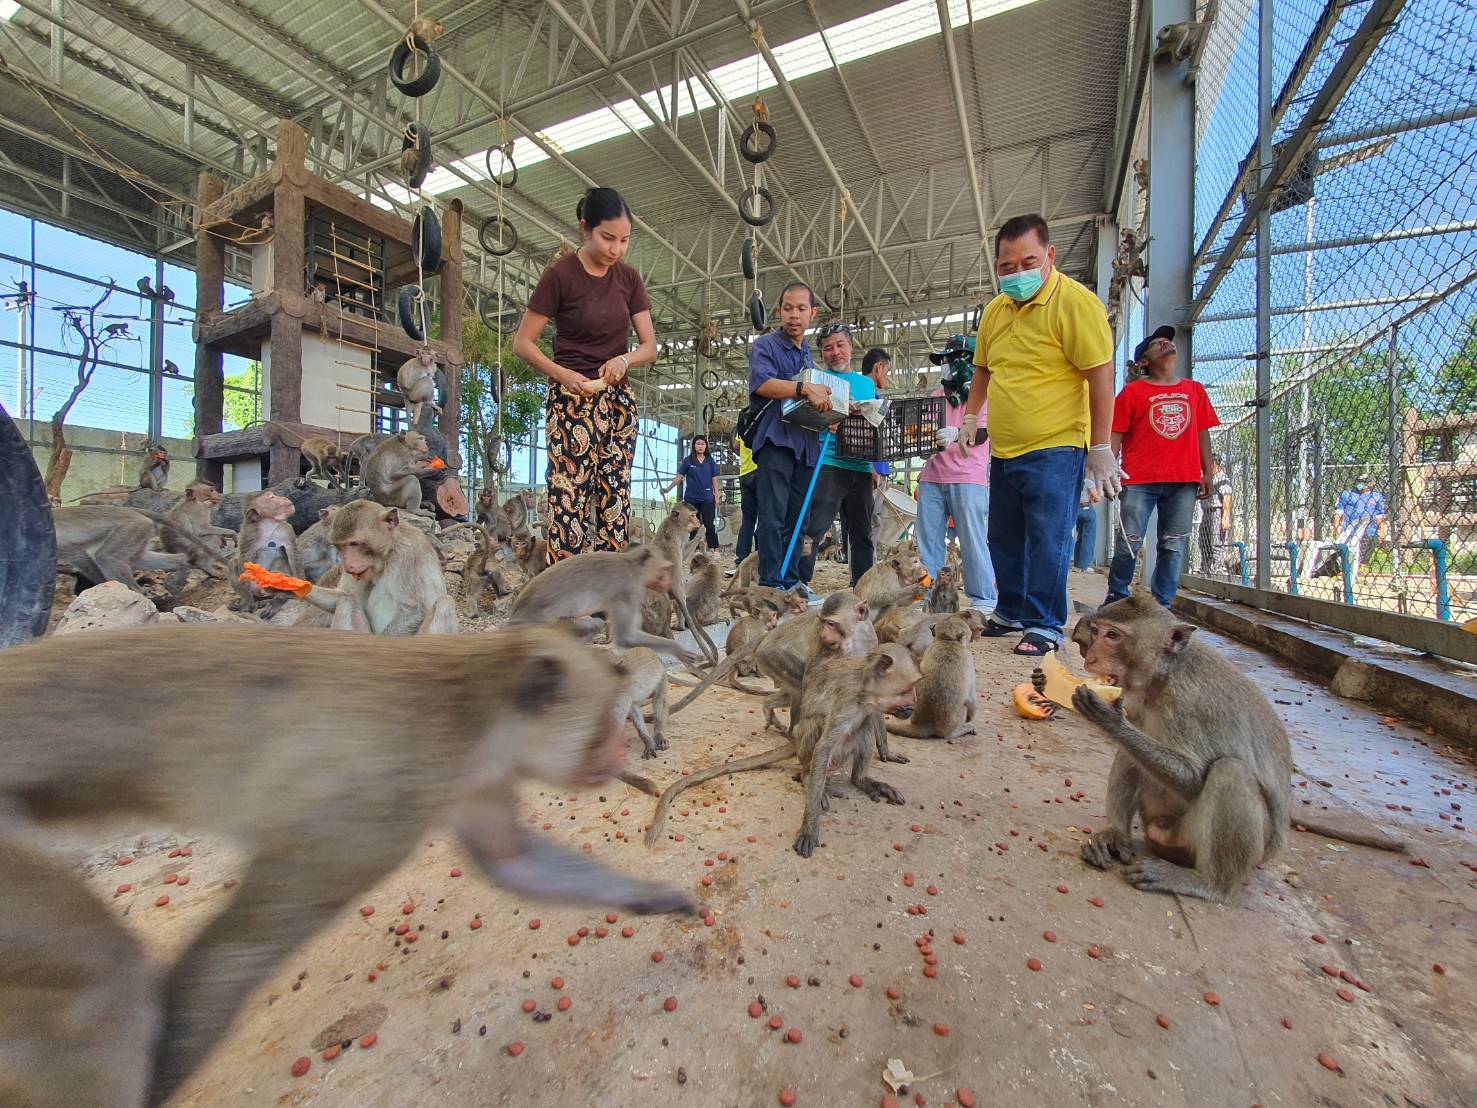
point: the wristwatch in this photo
(799, 390)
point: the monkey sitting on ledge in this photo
(328, 784)
(1202, 758)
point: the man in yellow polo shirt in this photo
(1044, 359)
(748, 474)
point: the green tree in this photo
(1455, 387)
(243, 408)
(483, 351)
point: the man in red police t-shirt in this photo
(1161, 432)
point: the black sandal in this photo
(1033, 645)
(995, 630)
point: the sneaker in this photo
(801, 591)
(729, 572)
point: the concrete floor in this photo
(990, 835)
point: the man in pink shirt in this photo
(955, 484)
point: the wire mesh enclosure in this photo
(1370, 456)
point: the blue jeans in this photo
(783, 481)
(1175, 502)
(1033, 508)
(1086, 537)
(969, 505)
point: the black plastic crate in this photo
(907, 431)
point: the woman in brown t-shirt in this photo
(594, 299)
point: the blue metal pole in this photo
(1292, 563)
(1347, 565)
(805, 507)
(1443, 593)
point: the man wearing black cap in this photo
(1161, 432)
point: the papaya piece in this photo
(1060, 684)
(266, 579)
(1029, 704)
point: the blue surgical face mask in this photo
(1023, 285)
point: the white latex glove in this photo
(944, 436)
(967, 432)
(1104, 475)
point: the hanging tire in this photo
(757, 314)
(756, 154)
(707, 415)
(765, 214)
(709, 380)
(490, 244)
(495, 305)
(410, 305)
(834, 297)
(27, 542)
(748, 259)
(426, 80)
(417, 137)
(425, 241)
(506, 150)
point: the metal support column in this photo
(156, 354)
(1264, 299)
(1171, 211)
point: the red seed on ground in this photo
(367, 1041)
(161, 902)
(892, 992)
(755, 1010)
(775, 1023)
(573, 940)
(1096, 902)
(402, 928)
(787, 1097)
(123, 889)
(367, 910)
(670, 1004)
(1033, 964)
(1094, 952)
(1212, 999)
(408, 907)
(1061, 888)
(1328, 1062)
(1162, 1020)
(1345, 995)
(413, 936)
(930, 971)
(1332, 971)
(125, 861)
(959, 938)
(1287, 1023)
(533, 924)
(965, 1097)
(941, 1030)
(332, 1052)
(183, 881)
(889, 1101)
(856, 981)
(564, 1004)
(515, 1049)
(792, 981)
(916, 827)
(456, 872)
(1319, 939)
(897, 846)
(657, 955)
(1049, 936)
(556, 983)
(611, 917)
(582, 932)
(301, 1066)
(475, 925)
(1438, 968)
(627, 932)
(601, 932)
(530, 1005)
(171, 878)
(793, 1035)
(932, 890)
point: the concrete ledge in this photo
(1433, 691)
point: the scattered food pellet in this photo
(1328, 1062)
(941, 1030)
(161, 902)
(123, 889)
(1212, 999)
(793, 1035)
(1061, 888)
(1096, 902)
(515, 1049)
(755, 1010)
(959, 939)
(670, 1004)
(1438, 968)
(530, 1005)
(627, 932)
(1287, 1023)
(367, 910)
(556, 983)
(301, 1066)
(657, 955)
(1345, 995)
(792, 981)
(1094, 952)
(534, 924)
(856, 981)
(965, 1097)
(1049, 936)
(1162, 1020)
(563, 1004)
(775, 1023)
(475, 925)
(787, 1097)
(892, 992)
(332, 1052)
(367, 1041)
(456, 873)
(1319, 939)
(1033, 964)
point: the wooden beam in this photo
(451, 328)
(210, 274)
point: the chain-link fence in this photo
(1372, 403)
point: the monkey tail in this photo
(169, 524)
(727, 666)
(752, 690)
(636, 781)
(1373, 837)
(738, 765)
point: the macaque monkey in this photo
(1201, 757)
(638, 531)
(394, 470)
(948, 691)
(745, 576)
(1175, 42)
(645, 680)
(107, 543)
(842, 704)
(192, 515)
(787, 651)
(326, 460)
(425, 28)
(416, 379)
(318, 294)
(530, 553)
(891, 625)
(315, 550)
(482, 569)
(656, 614)
(390, 581)
(604, 582)
(703, 587)
(943, 597)
(357, 455)
(267, 539)
(747, 600)
(672, 540)
(485, 509)
(85, 1019)
(891, 581)
(154, 473)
